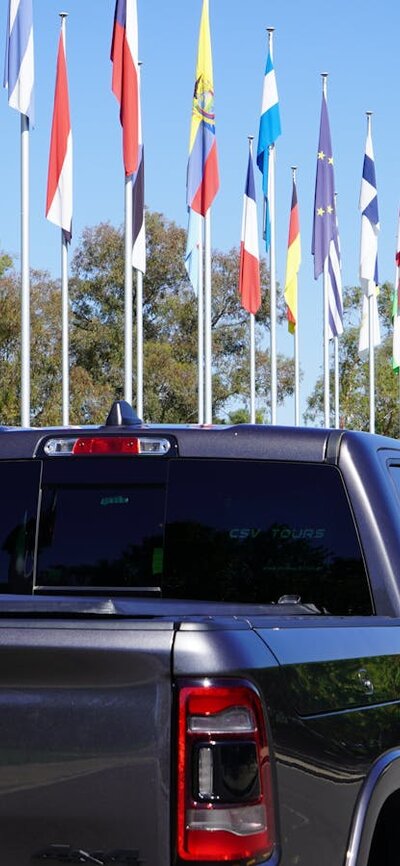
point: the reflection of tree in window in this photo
(203, 562)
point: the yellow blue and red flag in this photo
(202, 169)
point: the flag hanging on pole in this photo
(369, 245)
(59, 179)
(193, 247)
(125, 78)
(138, 216)
(249, 263)
(202, 169)
(293, 262)
(325, 239)
(396, 307)
(19, 63)
(269, 130)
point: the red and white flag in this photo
(125, 78)
(249, 264)
(59, 180)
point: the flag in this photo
(125, 78)
(193, 246)
(138, 217)
(269, 130)
(202, 169)
(325, 239)
(19, 65)
(293, 262)
(249, 263)
(369, 222)
(369, 247)
(59, 179)
(396, 307)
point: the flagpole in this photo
(200, 327)
(25, 284)
(64, 294)
(272, 260)
(128, 289)
(296, 349)
(139, 318)
(324, 76)
(371, 333)
(336, 365)
(139, 343)
(252, 370)
(207, 318)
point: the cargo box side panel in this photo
(84, 745)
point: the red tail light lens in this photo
(224, 776)
(106, 445)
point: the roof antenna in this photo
(121, 414)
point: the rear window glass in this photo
(258, 531)
(19, 485)
(218, 530)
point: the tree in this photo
(170, 325)
(354, 372)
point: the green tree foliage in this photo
(354, 372)
(96, 329)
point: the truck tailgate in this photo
(85, 713)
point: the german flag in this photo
(292, 263)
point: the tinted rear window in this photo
(222, 530)
(19, 485)
(257, 531)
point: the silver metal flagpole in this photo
(271, 204)
(25, 285)
(64, 296)
(296, 349)
(252, 370)
(139, 343)
(128, 289)
(200, 326)
(139, 315)
(324, 76)
(371, 332)
(207, 319)
(252, 340)
(336, 361)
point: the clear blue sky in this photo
(356, 42)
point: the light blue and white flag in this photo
(269, 130)
(335, 297)
(19, 63)
(193, 247)
(369, 246)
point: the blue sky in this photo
(355, 42)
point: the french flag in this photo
(125, 78)
(249, 264)
(59, 179)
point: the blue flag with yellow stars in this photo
(324, 224)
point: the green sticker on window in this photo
(157, 564)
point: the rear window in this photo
(258, 531)
(218, 530)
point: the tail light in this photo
(224, 775)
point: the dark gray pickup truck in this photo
(199, 646)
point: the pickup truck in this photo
(199, 645)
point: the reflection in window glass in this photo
(256, 531)
(19, 483)
(101, 536)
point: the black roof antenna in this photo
(121, 414)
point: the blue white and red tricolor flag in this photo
(59, 179)
(202, 170)
(125, 78)
(249, 263)
(19, 64)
